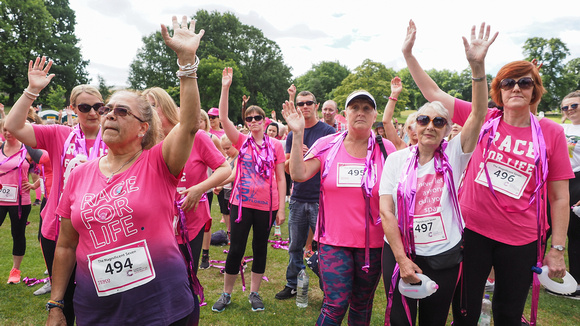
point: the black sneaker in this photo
(221, 304)
(573, 295)
(287, 293)
(204, 262)
(256, 302)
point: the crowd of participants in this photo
(128, 220)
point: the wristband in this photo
(478, 79)
(559, 248)
(393, 98)
(54, 304)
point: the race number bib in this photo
(9, 193)
(429, 229)
(504, 178)
(121, 269)
(349, 174)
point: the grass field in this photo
(19, 307)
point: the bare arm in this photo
(428, 87)
(193, 194)
(229, 127)
(390, 131)
(38, 79)
(292, 93)
(475, 53)
(391, 228)
(178, 143)
(559, 198)
(300, 170)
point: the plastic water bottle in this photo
(485, 317)
(302, 295)
(418, 291)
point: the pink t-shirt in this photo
(52, 138)
(204, 154)
(256, 189)
(11, 181)
(511, 167)
(129, 268)
(217, 133)
(344, 204)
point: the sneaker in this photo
(14, 277)
(46, 288)
(36, 202)
(287, 293)
(204, 262)
(489, 285)
(224, 300)
(573, 296)
(256, 302)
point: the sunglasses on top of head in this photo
(438, 122)
(255, 118)
(523, 83)
(118, 111)
(570, 107)
(86, 108)
(305, 103)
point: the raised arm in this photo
(300, 170)
(229, 127)
(475, 53)
(38, 79)
(292, 93)
(390, 131)
(428, 87)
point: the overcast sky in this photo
(349, 32)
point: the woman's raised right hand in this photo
(38, 77)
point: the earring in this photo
(141, 135)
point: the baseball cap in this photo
(214, 111)
(363, 95)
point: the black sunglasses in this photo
(118, 111)
(86, 108)
(305, 103)
(256, 118)
(438, 122)
(572, 107)
(213, 117)
(523, 83)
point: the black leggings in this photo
(195, 246)
(574, 229)
(17, 226)
(434, 309)
(259, 221)
(48, 248)
(513, 277)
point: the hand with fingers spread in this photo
(477, 49)
(227, 77)
(184, 41)
(293, 116)
(38, 76)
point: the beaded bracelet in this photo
(393, 98)
(30, 94)
(478, 79)
(54, 304)
(189, 70)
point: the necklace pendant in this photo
(109, 179)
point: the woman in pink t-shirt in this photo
(117, 212)
(525, 159)
(194, 182)
(257, 198)
(349, 232)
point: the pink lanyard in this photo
(367, 184)
(539, 195)
(263, 164)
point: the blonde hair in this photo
(79, 89)
(205, 118)
(164, 101)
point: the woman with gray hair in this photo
(419, 206)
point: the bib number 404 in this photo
(118, 266)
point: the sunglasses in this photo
(86, 108)
(438, 122)
(523, 83)
(255, 118)
(213, 117)
(305, 103)
(118, 111)
(572, 107)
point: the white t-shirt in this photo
(572, 133)
(435, 228)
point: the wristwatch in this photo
(559, 247)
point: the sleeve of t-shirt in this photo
(157, 160)
(64, 205)
(50, 136)
(559, 160)
(289, 142)
(389, 177)
(279, 152)
(462, 109)
(210, 155)
(241, 139)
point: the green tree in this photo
(322, 78)
(373, 77)
(69, 66)
(56, 99)
(572, 74)
(154, 65)
(552, 54)
(25, 27)
(103, 88)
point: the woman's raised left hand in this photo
(184, 41)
